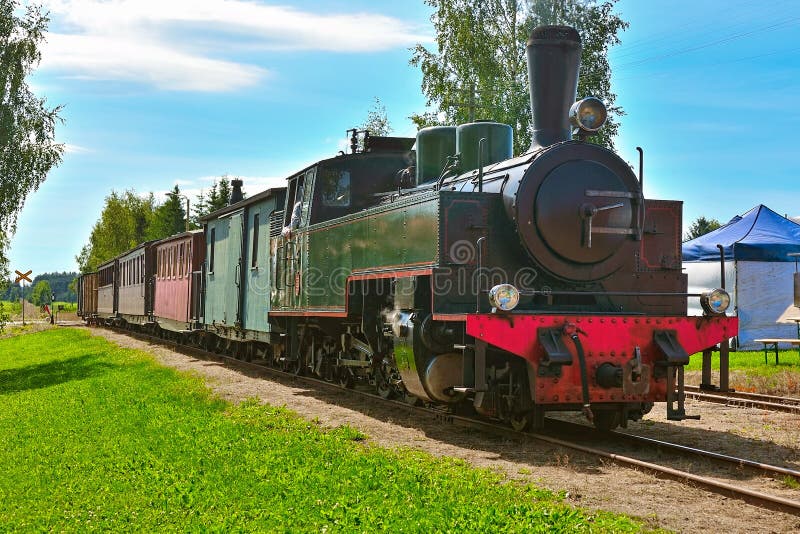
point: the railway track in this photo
(581, 443)
(747, 400)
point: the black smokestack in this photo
(554, 57)
(236, 191)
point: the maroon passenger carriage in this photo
(178, 275)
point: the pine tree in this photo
(169, 218)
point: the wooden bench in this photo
(772, 344)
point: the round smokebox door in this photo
(582, 212)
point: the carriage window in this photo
(211, 253)
(335, 188)
(254, 255)
(180, 260)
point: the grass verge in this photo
(93, 436)
(750, 373)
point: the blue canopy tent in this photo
(758, 270)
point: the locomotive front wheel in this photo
(345, 377)
(521, 421)
(524, 421)
(384, 389)
(606, 420)
(382, 385)
(413, 400)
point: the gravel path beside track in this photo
(755, 434)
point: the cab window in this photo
(334, 187)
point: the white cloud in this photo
(176, 44)
(96, 57)
(252, 185)
(75, 149)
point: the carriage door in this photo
(232, 300)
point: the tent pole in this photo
(721, 265)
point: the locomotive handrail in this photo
(280, 264)
(289, 261)
(588, 211)
(534, 292)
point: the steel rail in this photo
(735, 460)
(746, 401)
(753, 497)
(751, 396)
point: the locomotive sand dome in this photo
(483, 143)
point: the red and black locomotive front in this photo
(598, 323)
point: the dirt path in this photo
(588, 482)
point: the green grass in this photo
(748, 372)
(752, 362)
(96, 437)
(10, 307)
(68, 306)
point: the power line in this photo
(694, 48)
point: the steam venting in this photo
(554, 57)
(236, 191)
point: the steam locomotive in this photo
(453, 274)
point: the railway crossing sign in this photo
(23, 276)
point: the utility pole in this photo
(21, 278)
(22, 300)
(470, 102)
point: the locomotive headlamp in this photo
(589, 114)
(715, 302)
(504, 297)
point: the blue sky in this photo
(182, 91)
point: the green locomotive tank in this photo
(434, 145)
(473, 152)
